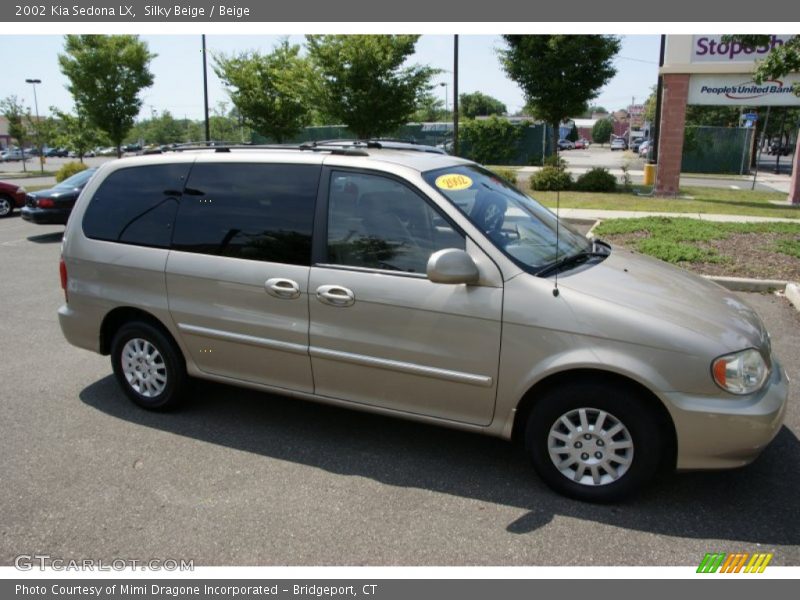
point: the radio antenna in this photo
(558, 218)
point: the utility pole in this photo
(33, 83)
(455, 95)
(205, 91)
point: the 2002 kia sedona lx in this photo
(417, 285)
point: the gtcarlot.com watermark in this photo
(42, 562)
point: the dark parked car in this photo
(11, 196)
(53, 206)
(56, 153)
(782, 149)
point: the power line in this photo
(641, 60)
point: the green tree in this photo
(601, 131)
(270, 91)
(559, 74)
(106, 75)
(75, 132)
(363, 83)
(573, 135)
(165, 129)
(650, 106)
(713, 116)
(14, 112)
(429, 108)
(477, 104)
(778, 62)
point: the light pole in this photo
(33, 83)
(445, 85)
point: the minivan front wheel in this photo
(594, 441)
(148, 366)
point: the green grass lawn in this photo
(695, 200)
(14, 175)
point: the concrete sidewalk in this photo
(591, 214)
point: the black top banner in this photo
(438, 11)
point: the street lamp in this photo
(33, 83)
(445, 86)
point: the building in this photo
(706, 70)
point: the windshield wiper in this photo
(574, 259)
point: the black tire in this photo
(151, 392)
(621, 404)
(6, 206)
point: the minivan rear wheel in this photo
(148, 366)
(596, 442)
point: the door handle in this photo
(335, 295)
(282, 288)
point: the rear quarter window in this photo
(136, 205)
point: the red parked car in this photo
(11, 196)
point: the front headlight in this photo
(740, 373)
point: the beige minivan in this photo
(418, 285)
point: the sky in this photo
(178, 85)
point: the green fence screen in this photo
(717, 150)
(533, 143)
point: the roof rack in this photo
(223, 147)
(378, 143)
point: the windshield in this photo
(77, 180)
(521, 227)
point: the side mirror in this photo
(452, 265)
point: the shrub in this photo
(490, 141)
(551, 179)
(555, 161)
(596, 180)
(68, 170)
(506, 173)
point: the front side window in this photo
(250, 210)
(379, 223)
(518, 225)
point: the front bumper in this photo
(724, 433)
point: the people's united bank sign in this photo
(739, 90)
(721, 72)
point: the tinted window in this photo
(379, 223)
(252, 211)
(76, 181)
(136, 205)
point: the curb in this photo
(743, 284)
(792, 294)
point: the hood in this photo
(659, 290)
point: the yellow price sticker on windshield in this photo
(453, 182)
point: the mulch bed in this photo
(750, 255)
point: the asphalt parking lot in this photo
(239, 477)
